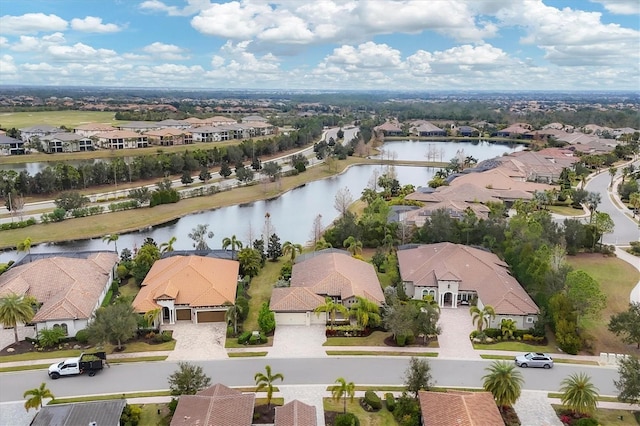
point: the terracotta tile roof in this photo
(455, 209)
(389, 127)
(467, 192)
(95, 127)
(498, 179)
(338, 274)
(217, 405)
(167, 131)
(189, 280)
(119, 134)
(296, 413)
(457, 408)
(476, 269)
(66, 287)
(296, 299)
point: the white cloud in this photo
(572, 37)
(193, 6)
(80, 52)
(169, 52)
(37, 44)
(7, 65)
(232, 20)
(366, 55)
(31, 23)
(4, 42)
(92, 24)
(620, 7)
(37, 68)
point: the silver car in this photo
(534, 359)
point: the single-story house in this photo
(426, 128)
(295, 413)
(389, 129)
(217, 405)
(96, 413)
(455, 275)
(515, 130)
(192, 288)
(68, 287)
(11, 146)
(325, 273)
(459, 408)
(455, 209)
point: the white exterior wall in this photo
(522, 321)
(300, 318)
(73, 326)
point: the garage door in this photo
(291, 318)
(183, 314)
(211, 316)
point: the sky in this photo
(417, 45)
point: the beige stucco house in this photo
(456, 274)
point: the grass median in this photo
(115, 361)
(382, 353)
(555, 360)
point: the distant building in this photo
(11, 146)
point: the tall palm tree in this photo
(634, 202)
(353, 246)
(612, 173)
(482, 316)
(37, 396)
(235, 244)
(168, 246)
(331, 308)
(343, 390)
(366, 312)
(112, 238)
(504, 382)
(15, 309)
(290, 248)
(322, 244)
(233, 314)
(265, 381)
(579, 394)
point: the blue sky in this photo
(323, 44)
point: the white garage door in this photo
(291, 318)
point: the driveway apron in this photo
(454, 342)
(533, 409)
(309, 394)
(197, 342)
(298, 341)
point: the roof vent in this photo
(93, 424)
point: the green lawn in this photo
(379, 418)
(382, 353)
(110, 397)
(246, 354)
(68, 119)
(556, 360)
(260, 292)
(514, 346)
(116, 361)
(130, 289)
(566, 210)
(374, 339)
(616, 278)
(150, 416)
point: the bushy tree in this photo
(629, 383)
(627, 324)
(266, 319)
(585, 293)
(250, 261)
(417, 376)
(115, 323)
(71, 200)
(274, 248)
(189, 379)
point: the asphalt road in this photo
(625, 230)
(239, 372)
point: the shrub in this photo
(131, 415)
(372, 400)
(347, 419)
(244, 337)
(266, 319)
(493, 332)
(82, 336)
(401, 339)
(173, 404)
(254, 339)
(587, 421)
(229, 331)
(158, 338)
(390, 400)
(50, 337)
(263, 338)
(244, 304)
(473, 334)
(150, 335)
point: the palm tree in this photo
(265, 381)
(366, 312)
(168, 246)
(151, 316)
(353, 246)
(233, 314)
(234, 243)
(593, 200)
(25, 246)
(331, 308)
(37, 396)
(343, 390)
(612, 173)
(634, 201)
(289, 247)
(112, 238)
(508, 327)
(482, 316)
(15, 309)
(504, 382)
(579, 394)
(322, 244)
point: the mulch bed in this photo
(330, 417)
(264, 415)
(509, 416)
(24, 346)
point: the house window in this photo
(529, 320)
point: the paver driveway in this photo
(456, 324)
(197, 342)
(298, 341)
(7, 338)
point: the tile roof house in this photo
(169, 136)
(459, 408)
(90, 129)
(455, 209)
(194, 288)
(330, 273)
(66, 142)
(426, 128)
(453, 274)
(121, 139)
(11, 146)
(69, 289)
(295, 413)
(538, 166)
(217, 405)
(97, 413)
(38, 131)
(389, 129)
(515, 130)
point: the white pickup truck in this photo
(85, 363)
